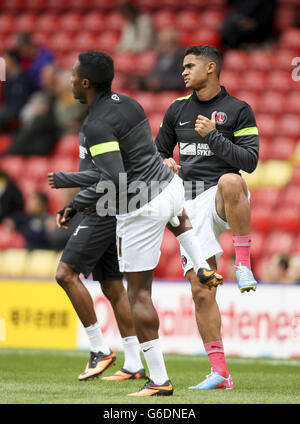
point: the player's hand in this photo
(61, 220)
(170, 162)
(203, 125)
(51, 180)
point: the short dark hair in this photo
(209, 52)
(97, 67)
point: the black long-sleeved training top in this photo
(116, 139)
(231, 147)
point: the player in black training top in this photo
(217, 137)
(147, 195)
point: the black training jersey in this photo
(116, 139)
(231, 147)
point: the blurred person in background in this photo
(32, 222)
(166, 74)
(15, 90)
(11, 199)
(69, 114)
(39, 131)
(248, 21)
(277, 269)
(293, 272)
(138, 31)
(33, 57)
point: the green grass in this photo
(31, 376)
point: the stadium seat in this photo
(80, 5)
(28, 186)
(125, 62)
(37, 167)
(13, 5)
(25, 22)
(36, 5)
(164, 18)
(155, 123)
(5, 142)
(231, 80)
(257, 245)
(67, 164)
(289, 125)
(290, 196)
(6, 23)
(47, 23)
(261, 60)
(58, 5)
(147, 100)
(67, 147)
(202, 36)
(71, 21)
(267, 124)
(86, 40)
(164, 99)
(295, 180)
(13, 262)
(145, 62)
(283, 59)
(104, 4)
(62, 42)
(292, 104)
(187, 19)
(114, 21)
(279, 80)
(254, 80)
(94, 21)
(290, 38)
(10, 239)
(260, 218)
(265, 196)
(13, 165)
(174, 269)
(278, 242)
(108, 40)
(212, 18)
(276, 173)
(250, 97)
(271, 102)
(282, 148)
(236, 60)
(41, 263)
(286, 218)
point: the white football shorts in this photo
(140, 233)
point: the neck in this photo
(208, 92)
(90, 97)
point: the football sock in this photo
(191, 245)
(242, 246)
(132, 360)
(96, 339)
(215, 352)
(155, 361)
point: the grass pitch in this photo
(31, 376)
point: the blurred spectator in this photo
(15, 90)
(32, 223)
(138, 32)
(247, 21)
(166, 74)
(277, 269)
(69, 114)
(33, 57)
(39, 131)
(11, 199)
(293, 272)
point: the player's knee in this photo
(63, 275)
(200, 293)
(113, 293)
(231, 185)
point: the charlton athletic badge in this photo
(183, 261)
(221, 118)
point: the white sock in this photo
(155, 361)
(191, 245)
(96, 339)
(132, 360)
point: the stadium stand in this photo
(260, 75)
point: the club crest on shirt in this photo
(183, 261)
(221, 118)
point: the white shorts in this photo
(207, 224)
(140, 233)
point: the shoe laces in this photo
(94, 358)
(244, 272)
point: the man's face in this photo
(195, 72)
(76, 86)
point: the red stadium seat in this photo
(290, 38)
(290, 196)
(37, 167)
(67, 147)
(236, 60)
(6, 23)
(284, 17)
(94, 21)
(147, 100)
(231, 80)
(28, 186)
(279, 80)
(80, 5)
(257, 245)
(174, 269)
(25, 22)
(108, 40)
(58, 5)
(292, 104)
(125, 62)
(289, 125)
(164, 100)
(11, 239)
(261, 60)
(254, 80)
(71, 21)
(13, 166)
(145, 62)
(36, 5)
(155, 123)
(296, 176)
(212, 18)
(272, 102)
(282, 148)
(250, 97)
(13, 5)
(86, 40)
(267, 124)
(48, 23)
(286, 219)
(296, 244)
(202, 36)
(104, 4)
(266, 196)
(164, 18)
(260, 218)
(283, 59)
(62, 42)
(63, 164)
(278, 242)
(187, 19)
(114, 21)
(265, 148)
(5, 142)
